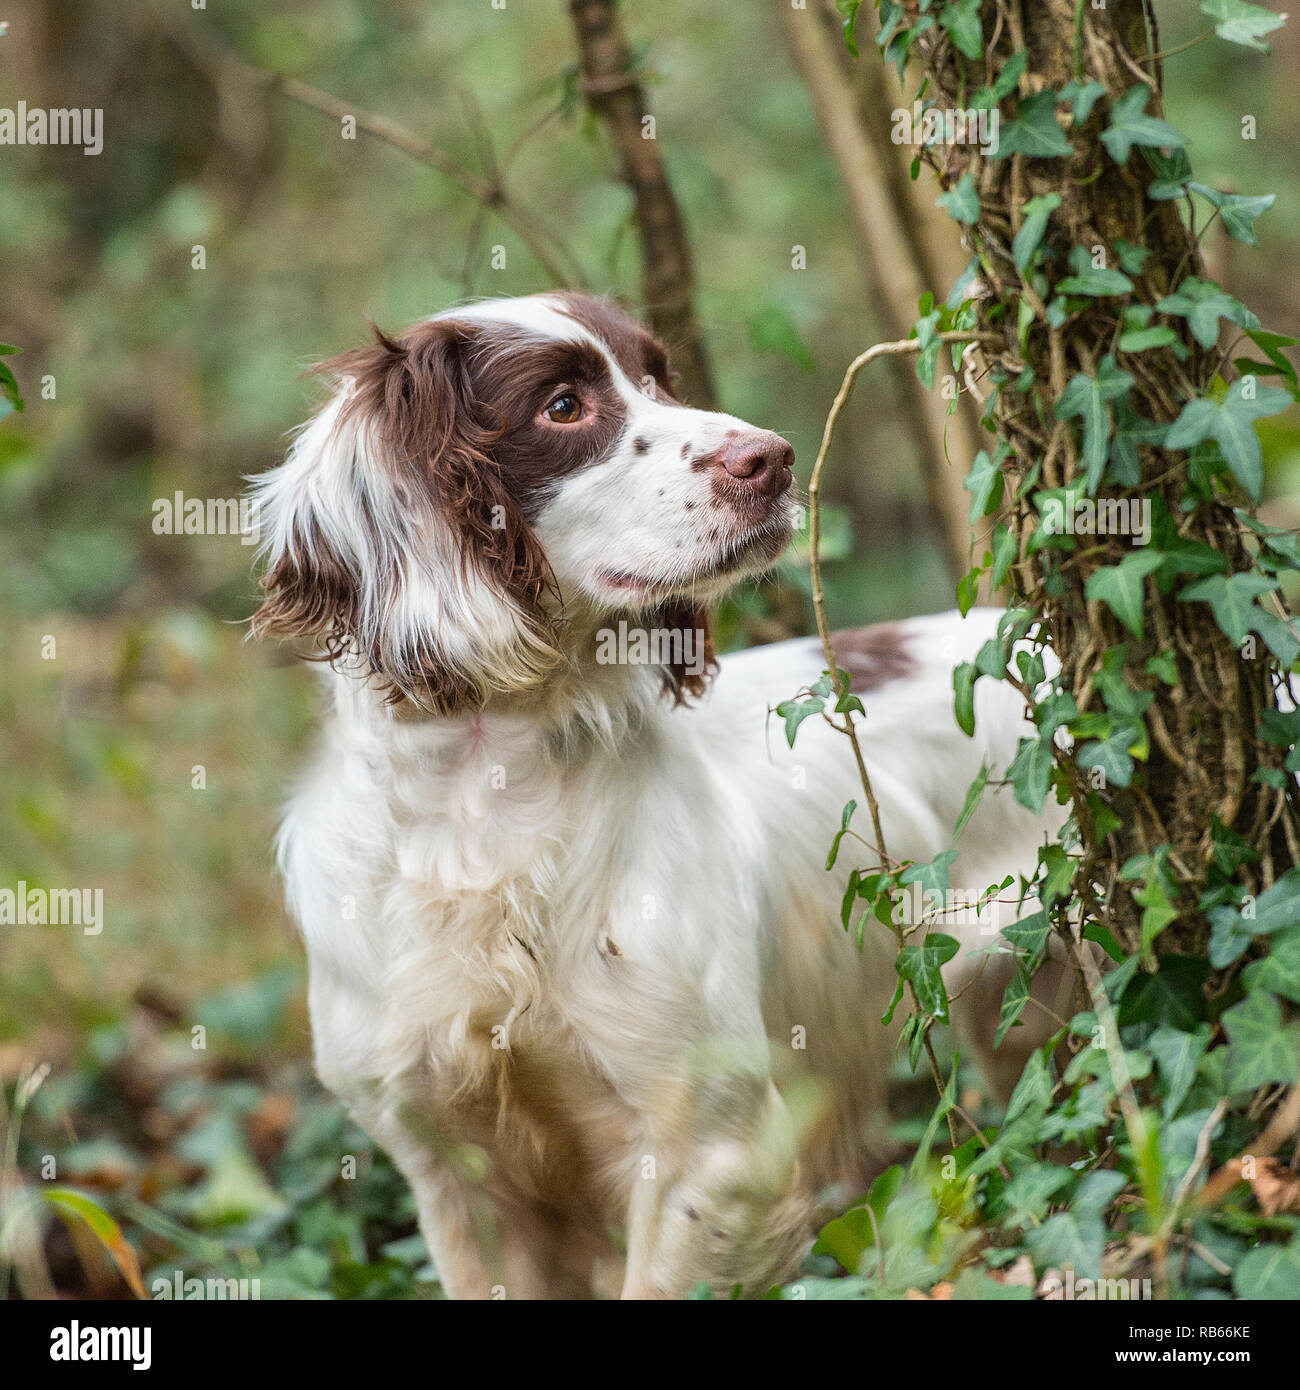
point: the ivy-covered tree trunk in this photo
(1118, 408)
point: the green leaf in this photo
(932, 877)
(1087, 397)
(1028, 1193)
(1111, 755)
(1157, 911)
(1131, 257)
(1129, 126)
(849, 9)
(1069, 1239)
(1121, 586)
(1014, 999)
(1031, 772)
(794, 712)
(1173, 995)
(1203, 303)
(1177, 1054)
(1082, 96)
(1279, 971)
(1232, 600)
(1271, 344)
(1231, 424)
(1269, 1271)
(961, 18)
(963, 687)
(1142, 339)
(1276, 909)
(1096, 282)
(845, 817)
(1037, 211)
(962, 201)
(1241, 23)
(984, 483)
(921, 965)
(1035, 131)
(1261, 1049)
(1237, 210)
(105, 1229)
(973, 794)
(1006, 547)
(1004, 83)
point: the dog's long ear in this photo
(390, 536)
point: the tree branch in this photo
(668, 280)
(491, 193)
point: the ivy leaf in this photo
(1087, 396)
(962, 202)
(845, 817)
(1231, 424)
(1014, 999)
(1121, 586)
(1143, 339)
(1035, 131)
(1006, 546)
(1082, 96)
(1276, 909)
(1131, 257)
(1270, 1271)
(1095, 281)
(1241, 23)
(932, 877)
(1030, 772)
(961, 18)
(1279, 971)
(973, 794)
(921, 965)
(1111, 755)
(1203, 303)
(1232, 600)
(794, 712)
(1157, 911)
(984, 483)
(1004, 83)
(1177, 1055)
(1037, 211)
(1270, 344)
(1129, 126)
(1238, 210)
(1261, 1048)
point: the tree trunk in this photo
(1203, 745)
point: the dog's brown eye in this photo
(565, 410)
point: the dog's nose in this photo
(759, 459)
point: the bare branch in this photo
(491, 193)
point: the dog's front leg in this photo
(719, 1200)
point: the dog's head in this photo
(473, 485)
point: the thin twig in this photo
(894, 349)
(544, 245)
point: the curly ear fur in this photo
(393, 539)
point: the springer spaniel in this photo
(576, 958)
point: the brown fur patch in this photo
(873, 656)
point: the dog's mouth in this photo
(750, 554)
